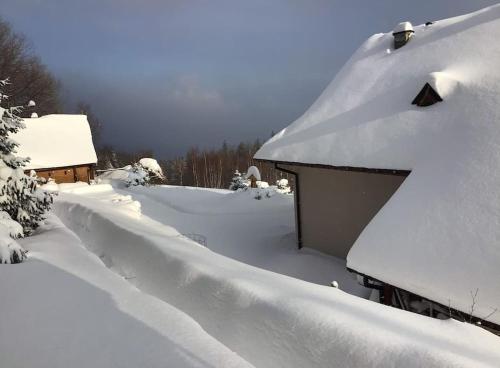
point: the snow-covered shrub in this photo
(153, 170)
(262, 184)
(21, 201)
(238, 182)
(282, 186)
(137, 175)
(145, 172)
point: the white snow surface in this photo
(268, 319)
(64, 308)
(438, 236)
(56, 140)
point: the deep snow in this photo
(256, 232)
(267, 318)
(63, 308)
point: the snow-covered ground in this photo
(63, 308)
(256, 232)
(135, 302)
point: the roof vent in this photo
(402, 34)
(427, 97)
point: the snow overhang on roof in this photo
(56, 141)
(438, 236)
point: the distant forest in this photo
(211, 168)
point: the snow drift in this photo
(267, 318)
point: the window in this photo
(427, 97)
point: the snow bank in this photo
(56, 141)
(63, 308)
(260, 234)
(438, 235)
(269, 319)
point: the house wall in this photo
(70, 174)
(336, 205)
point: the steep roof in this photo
(56, 141)
(439, 235)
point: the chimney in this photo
(402, 34)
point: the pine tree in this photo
(21, 201)
(238, 182)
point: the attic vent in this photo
(402, 34)
(427, 96)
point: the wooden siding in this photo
(70, 174)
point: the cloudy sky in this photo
(170, 74)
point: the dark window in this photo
(401, 38)
(427, 97)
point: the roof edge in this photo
(60, 167)
(396, 172)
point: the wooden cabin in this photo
(60, 147)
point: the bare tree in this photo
(29, 78)
(94, 122)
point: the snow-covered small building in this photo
(398, 164)
(60, 147)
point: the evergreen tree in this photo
(21, 201)
(238, 182)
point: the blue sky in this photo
(170, 74)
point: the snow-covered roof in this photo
(403, 27)
(439, 235)
(56, 141)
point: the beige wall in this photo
(337, 205)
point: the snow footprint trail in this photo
(268, 319)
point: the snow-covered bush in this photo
(238, 182)
(153, 170)
(22, 204)
(282, 186)
(146, 171)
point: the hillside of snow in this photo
(438, 235)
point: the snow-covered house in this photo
(60, 147)
(398, 164)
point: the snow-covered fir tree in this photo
(22, 203)
(146, 171)
(238, 182)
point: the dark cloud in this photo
(168, 75)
